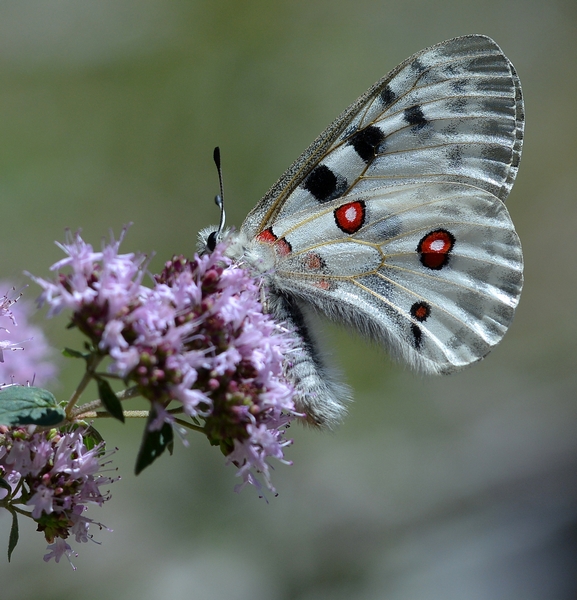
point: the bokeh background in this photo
(434, 488)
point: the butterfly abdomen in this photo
(319, 394)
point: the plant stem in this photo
(129, 414)
(131, 392)
(19, 510)
(90, 366)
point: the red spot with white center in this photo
(350, 217)
(435, 247)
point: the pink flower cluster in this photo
(197, 337)
(7, 303)
(57, 475)
(33, 364)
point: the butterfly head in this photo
(246, 252)
(209, 237)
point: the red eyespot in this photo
(350, 217)
(435, 247)
(323, 284)
(420, 311)
(283, 247)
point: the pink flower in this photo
(32, 362)
(58, 476)
(42, 501)
(59, 549)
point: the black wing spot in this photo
(420, 311)
(459, 86)
(387, 97)
(417, 335)
(324, 184)
(366, 142)
(414, 116)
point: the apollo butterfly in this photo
(393, 220)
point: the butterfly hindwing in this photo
(434, 271)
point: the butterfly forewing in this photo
(452, 112)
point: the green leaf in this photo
(91, 437)
(153, 443)
(110, 400)
(70, 353)
(13, 539)
(23, 405)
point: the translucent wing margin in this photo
(452, 112)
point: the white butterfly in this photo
(393, 220)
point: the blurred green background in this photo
(434, 488)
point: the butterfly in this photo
(393, 221)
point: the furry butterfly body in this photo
(393, 220)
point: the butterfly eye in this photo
(211, 240)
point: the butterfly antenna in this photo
(219, 201)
